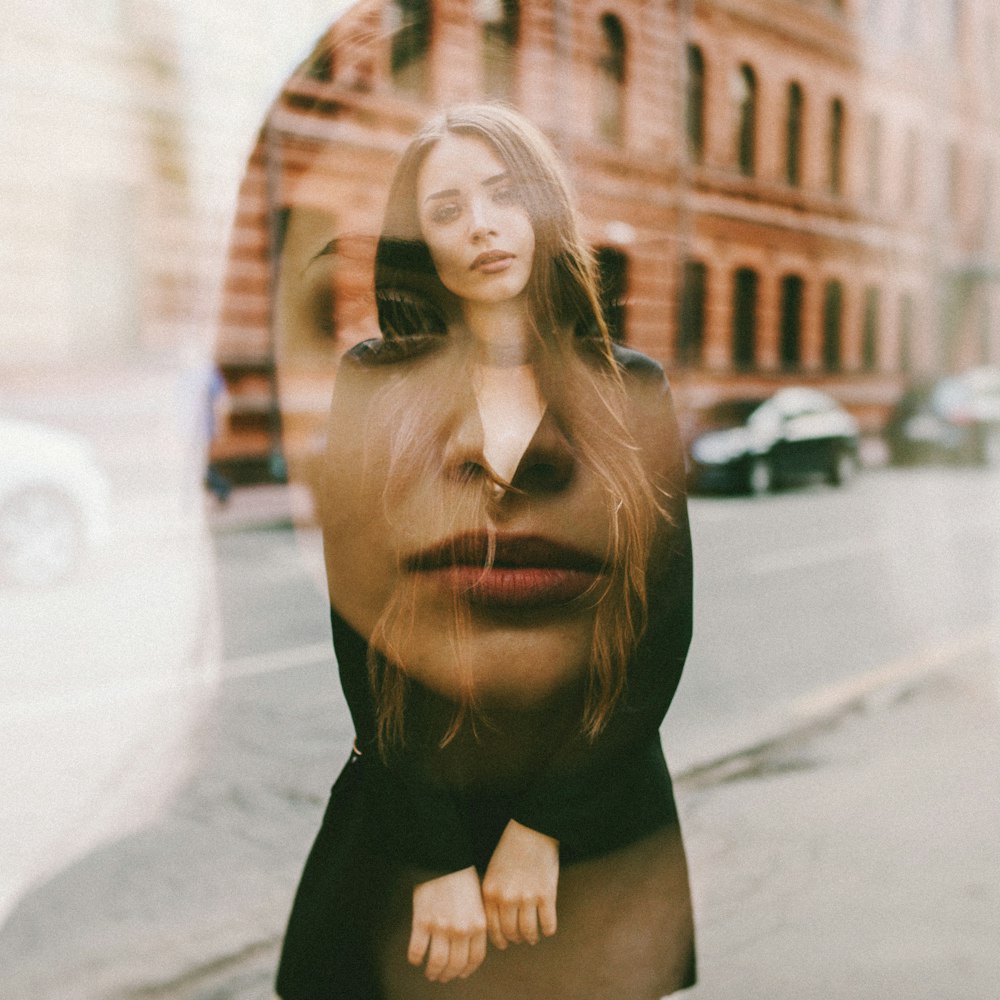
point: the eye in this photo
(507, 194)
(445, 212)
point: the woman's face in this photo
(405, 504)
(472, 218)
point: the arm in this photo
(449, 926)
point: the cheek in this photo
(359, 560)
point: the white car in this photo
(53, 502)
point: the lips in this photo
(526, 571)
(491, 261)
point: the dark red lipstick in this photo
(526, 571)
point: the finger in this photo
(508, 923)
(458, 959)
(437, 957)
(547, 916)
(477, 953)
(419, 939)
(527, 921)
(494, 928)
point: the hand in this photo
(449, 926)
(519, 889)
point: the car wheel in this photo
(760, 479)
(843, 468)
(41, 537)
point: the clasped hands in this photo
(516, 903)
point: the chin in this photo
(510, 665)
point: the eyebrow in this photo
(324, 251)
(454, 192)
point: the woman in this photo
(508, 566)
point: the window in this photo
(411, 38)
(611, 81)
(836, 171)
(987, 209)
(906, 333)
(833, 308)
(910, 170)
(869, 333)
(745, 93)
(612, 272)
(321, 65)
(793, 136)
(791, 320)
(956, 25)
(873, 190)
(744, 318)
(691, 313)
(501, 22)
(954, 180)
(694, 105)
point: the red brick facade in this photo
(780, 191)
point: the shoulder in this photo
(637, 364)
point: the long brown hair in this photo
(579, 367)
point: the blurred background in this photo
(794, 207)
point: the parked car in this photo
(756, 446)
(952, 419)
(53, 502)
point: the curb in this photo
(869, 692)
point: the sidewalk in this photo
(857, 859)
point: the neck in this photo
(501, 328)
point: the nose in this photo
(509, 435)
(481, 221)
(510, 410)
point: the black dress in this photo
(427, 811)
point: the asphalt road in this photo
(803, 599)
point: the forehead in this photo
(458, 161)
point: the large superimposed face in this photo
(472, 218)
(470, 587)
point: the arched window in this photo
(874, 160)
(906, 333)
(612, 272)
(744, 318)
(869, 333)
(836, 151)
(694, 104)
(411, 39)
(792, 288)
(910, 168)
(793, 136)
(745, 95)
(611, 81)
(321, 65)
(956, 18)
(833, 308)
(501, 24)
(691, 312)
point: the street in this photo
(808, 602)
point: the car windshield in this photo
(729, 413)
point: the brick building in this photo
(777, 190)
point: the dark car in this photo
(756, 446)
(953, 419)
